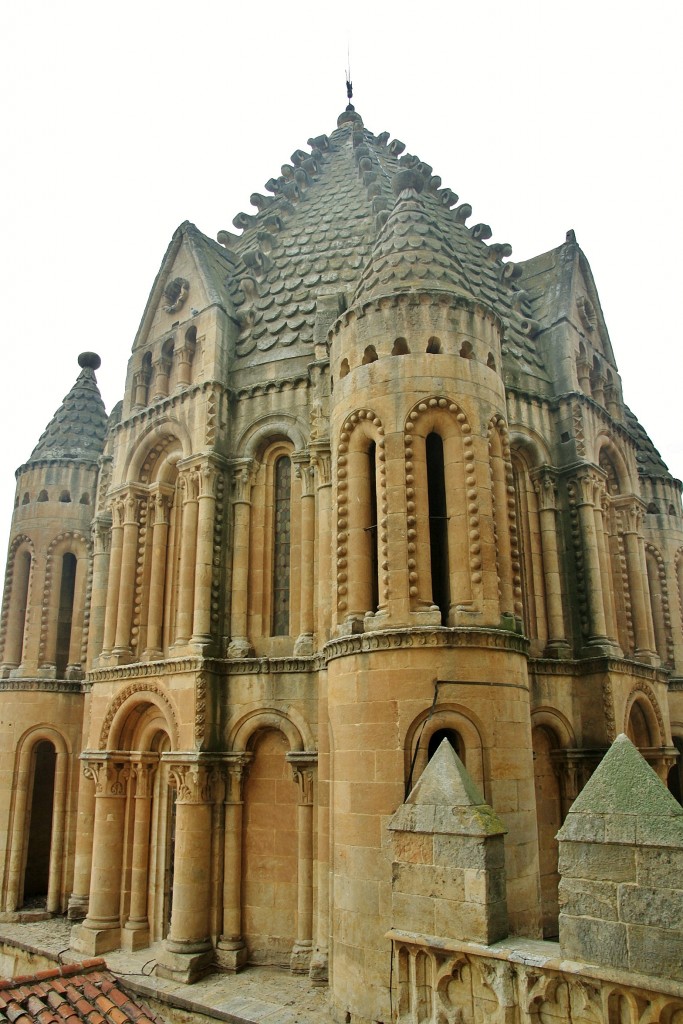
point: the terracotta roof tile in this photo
(72, 992)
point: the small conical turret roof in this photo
(412, 253)
(77, 429)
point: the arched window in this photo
(675, 778)
(434, 346)
(503, 513)
(358, 541)
(281, 545)
(16, 626)
(549, 820)
(39, 825)
(656, 585)
(400, 347)
(370, 355)
(66, 608)
(438, 525)
(453, 737)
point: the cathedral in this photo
(372, 499)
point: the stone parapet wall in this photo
(518, 981)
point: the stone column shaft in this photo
(157, 581)
(593, 576)
(239, 641)
(304, 644)
(98, 599)
(602, 535)
(137, 920)
(112, 604)
(188, 555)
(303, 765)
(78, 901)
(57, 835)
(232, 953)
(201, 628)
(634, 570)
(189, 952)
(551, 574)
(129, 558)
(100, 931)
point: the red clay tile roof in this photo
(69, 994)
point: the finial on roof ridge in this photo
(89, 361)
(407, 178)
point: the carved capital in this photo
(545, 484)
(304, 764)
(160, 505)
(109, 775)
(195, 782)
(631, 512)
(117, 512)
(208, 476)
(242, 479)
(143, 772)
(237, 765)
(304, 472)
(100, 532)
(321, 460)
(130, 510)
(586, 486)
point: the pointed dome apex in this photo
(77, 429)
(412, 252)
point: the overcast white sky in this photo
(122, 120)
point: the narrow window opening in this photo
(466, 351)
(282, 545)
(675, 777)
(85, 499)
(438, 526)
(65, 497)
(453, 737)
(434, 346)
(344, 368)
(66, 609)
(37, 874)
(491, 362)
(15, 641)
(400, 347)
(25, 500)
(43, 496)
(372, 528)
(370, 355)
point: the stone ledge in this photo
(544, 954)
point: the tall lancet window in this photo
(66, 608)
(438, 525)
(282, 545)
(372, 527)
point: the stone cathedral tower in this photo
(372, 486)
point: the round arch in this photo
(557, 723)
(604, 443)
(135, 700)
(270, 428)
(448, 717)
(242, 731)
(643, 717)
(527, 444)
(159, 433)
(22, 795)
